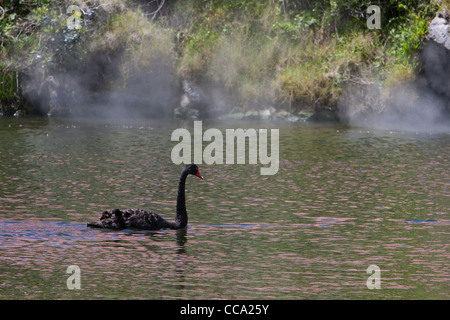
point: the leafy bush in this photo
(405, 39)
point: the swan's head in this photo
(193, 169)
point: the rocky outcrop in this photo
(194, 103)
(439, 30)
(435, 57)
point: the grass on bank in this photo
(289, 54)
(299, 58)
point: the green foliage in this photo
(14, 18)
(8, 88)
(298, 27)
(140, 43)
(298, 53)
(14, 26)
(406, 38)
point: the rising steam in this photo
(419, 106)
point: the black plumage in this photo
(146, 219)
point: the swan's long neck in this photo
(181, 218)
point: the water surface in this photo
(343, 199)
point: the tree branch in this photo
(155, 13)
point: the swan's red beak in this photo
(199, 175)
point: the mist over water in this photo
(95, 88)
(422, 105)
(410, 108)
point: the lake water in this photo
(342, 200)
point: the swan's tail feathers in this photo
(109, 224)
(110, 219)
(95, 225)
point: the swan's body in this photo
(149, 220)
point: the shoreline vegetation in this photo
(286, 59)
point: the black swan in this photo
(149, 220)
